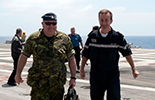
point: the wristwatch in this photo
(73, 78)
(134, 68)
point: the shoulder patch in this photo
(77, 33)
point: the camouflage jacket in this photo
(48, 58)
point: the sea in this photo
(144, 42)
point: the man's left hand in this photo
(135, 73)
(72, 82)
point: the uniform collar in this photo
(74, 34)
(109, 33)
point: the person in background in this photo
(49, 48)
(93, 29)
(16, 47)
(102, 48)
(23, 37)
(76, 39)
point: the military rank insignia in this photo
(123, 39)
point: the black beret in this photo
(49, 16)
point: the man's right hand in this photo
(82, 73)
(18, 79)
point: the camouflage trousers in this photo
(46, 93)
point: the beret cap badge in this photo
(52, 17)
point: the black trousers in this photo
(12, 76)
(77, 56)
(101, 83)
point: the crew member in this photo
(102, 48)
(76, 39)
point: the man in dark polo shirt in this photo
(102, 48)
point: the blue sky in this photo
(131, 17)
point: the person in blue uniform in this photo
(102, 48)
(76, 39)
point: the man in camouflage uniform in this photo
(50, 48)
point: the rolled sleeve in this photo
(71, 53)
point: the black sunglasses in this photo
(49, 23)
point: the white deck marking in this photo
(122, 85)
